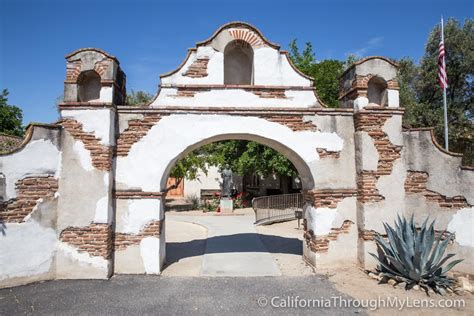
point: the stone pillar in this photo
(94, 85)
(370, 87)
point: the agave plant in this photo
(415, 256)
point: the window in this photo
(238, 63)
(377, 91)
(88, 86)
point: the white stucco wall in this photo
(38, 157)
(96, 121)
(170, 137)
(26, 250)
(211, 181)
(234, 98)
(270, 68)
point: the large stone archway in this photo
(146, 167)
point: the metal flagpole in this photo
(446, 139)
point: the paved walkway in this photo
(233, 247)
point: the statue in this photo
(227, 182)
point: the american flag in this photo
(442, 77)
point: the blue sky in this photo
(151, 37)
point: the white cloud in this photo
(371, 44)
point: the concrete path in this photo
(233, 247)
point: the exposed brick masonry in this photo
(198, 69)
(372, 123)
(369, 235)
(328, 197)
(321, 243)
(122, 240)
(295, 122)
(95, 239)
(101, 155)
(324, 153)
(101, 66)
(73, 69)
(268, 93)
(136, 130)
(130, 194)
(29, 191)
(416, 182)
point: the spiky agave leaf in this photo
(414, 256)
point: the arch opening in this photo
(238, 63)
(377, 91)
(89, 86)
(200, 244)
(302, 168)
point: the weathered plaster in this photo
(137, 215)
(270, 68)
(367, 155)
(391, 187)
(377, 67)
(462, 224)
(150, 253)
(84, 156)
(82, 257)
(80, 189)
(38, 157)
(147, 169)
(393, 98)
(26, 249)
(445, 176)
(234, 98)
(106, 94)
(360, 103)
(96, 121)
(129, 261)
(124, 118)
(345, 178)
(393, 129)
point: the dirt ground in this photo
(354, 282)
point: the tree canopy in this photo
(325, 73)
(422, 97)
(138, 97)
(11, 116)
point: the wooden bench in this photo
(207, 194)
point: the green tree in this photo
(325, 73)
(138, 97)
(243, 157)
(11, 116)
(422, 97)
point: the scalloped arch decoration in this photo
(248, 36)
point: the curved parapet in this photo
(447, 175)
(211, 74)
(38, 154)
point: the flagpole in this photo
(446, 139)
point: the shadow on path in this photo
(231, 244)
